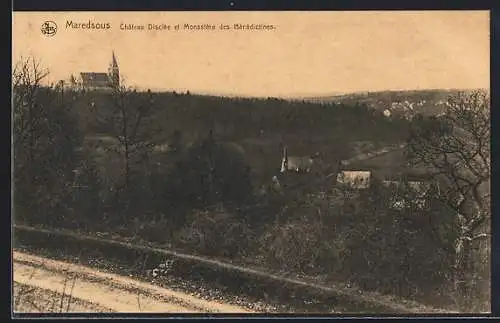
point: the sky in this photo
(306, 54)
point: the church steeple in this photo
(114, 62)
(114, 71)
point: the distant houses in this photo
(408, 189)
(413, 193)
(405, 193)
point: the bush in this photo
(206, 174)
(300, 247)
(215, 232)
(153, 231)
(407, 252)
(86, 204)
(404, 252)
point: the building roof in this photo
(93, 77)
(297, 163)
(356, 179)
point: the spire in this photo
(114, 71)
(114, 63)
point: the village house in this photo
(356, 179)
(298, 164)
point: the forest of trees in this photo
(199, 193)
(237, 118)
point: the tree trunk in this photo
(461, 279)
(127, 165)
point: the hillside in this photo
(259, 128)
(201, 174)
(390, 166)
(425, 102)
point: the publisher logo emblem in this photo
(49, 28)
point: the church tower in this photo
(114, 71)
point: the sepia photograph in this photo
(297, 162)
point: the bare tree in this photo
(134, 128)
(456, 149)
(27, 77)
(44, 139)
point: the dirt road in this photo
(45, 285)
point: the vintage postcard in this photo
(251, 162)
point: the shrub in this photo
(298, 247)
(215, 232)
(404, 252)
(209, 173)
(153, 231)
(86, 203)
